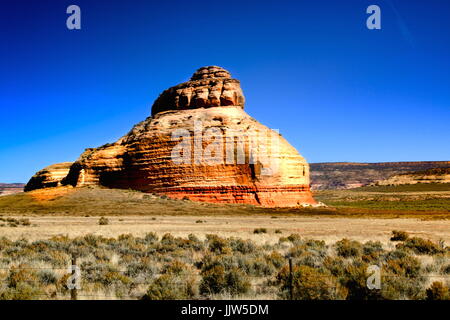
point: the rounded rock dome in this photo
(210, 72)
(210, 86)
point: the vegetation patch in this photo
(168, 267)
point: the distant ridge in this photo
(433, 175)
(11, 188)
(332, 175)
(346, 175)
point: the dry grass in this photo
(71, 216)
(76, 212)
(109, 202)
(428, 199)
(325, 228)
(170, 267)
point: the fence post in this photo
(73, 291)
(291, 285)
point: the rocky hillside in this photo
(198, 144)
(346, 175)
(10, 188)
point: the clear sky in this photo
(336, 90)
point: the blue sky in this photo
(336, 90)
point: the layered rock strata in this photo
(435, 175)
(200, 144)
(50, 176)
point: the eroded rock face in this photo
(200, 144)
(208, 87)
(50, 176)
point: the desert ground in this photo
(361, 214)
(328, 229)
(133, 245)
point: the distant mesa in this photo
(143, 159)
(347, 175)
(433, 175)
(10, 188)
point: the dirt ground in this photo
(323, 228)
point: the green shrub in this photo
(192, 237)
(260, 230)
(25, 222)
(151, 237)
(22, 291)
(216, 280)
(406, 267)
(242, 246)
(335, 265)
(311, 259)
(236, 282)
(104, 274)
(309, 284)
(171, 287)
(315, 244)
(421, 246)
(372, 252)
(4, 243)
(394, 287)
(446, 269)
(168, 238)
(437, 291)
(275, 259)
(218, 245)
(176, 268)
(310, 247)
(372, 247)
(348, 248)
(114, 278)
(120, 265)
(296, 251)
(47, 277)
(398, 253)
(213, 280)
(399, 235)
(256, 266)
(144, 268)
(21, 284)
(354, 279)
(294, 238)
(127, 238)
(103, 221)
(20, 275)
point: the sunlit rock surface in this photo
(200, 144)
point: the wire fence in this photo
(77, 279)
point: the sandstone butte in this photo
(143, 159)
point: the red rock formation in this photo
(208, 87)
(50, 176)
(200, 144)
